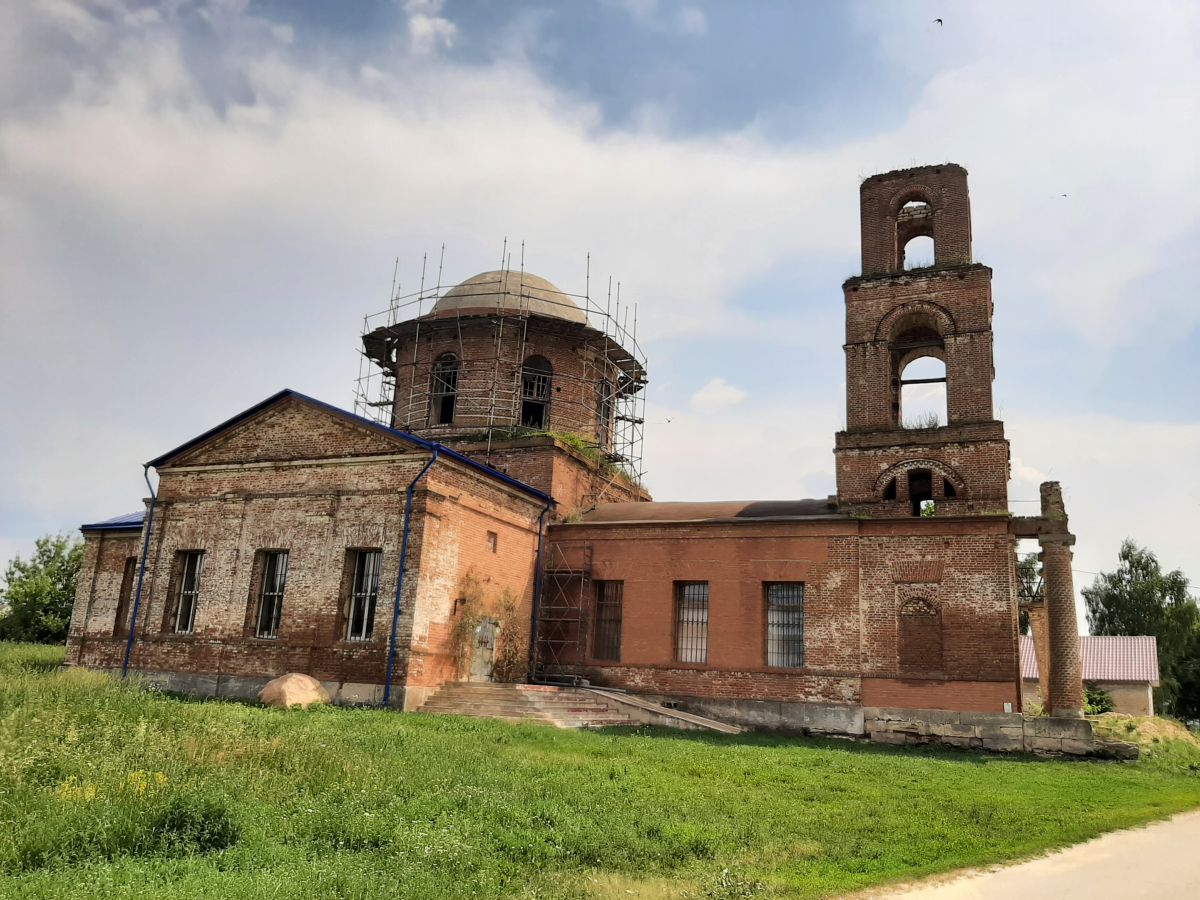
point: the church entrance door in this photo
(483, 652)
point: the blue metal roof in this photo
(286, 393)
(128, 522)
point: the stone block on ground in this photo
(1075, 729)
(293, 689)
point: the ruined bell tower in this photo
(890, 465)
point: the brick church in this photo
(490, 528)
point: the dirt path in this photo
(1159, 860)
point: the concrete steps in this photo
(565, 707)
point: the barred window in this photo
(536, 377)
(785, 624)
(270, 599)
(191, 564)
(364, 593)
(606, 640)
(443, 389)
(691, 621)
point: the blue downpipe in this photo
(408, 499)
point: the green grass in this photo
(111, 791)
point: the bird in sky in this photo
(938, 21)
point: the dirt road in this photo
(1159, 860)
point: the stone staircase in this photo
(564, 707)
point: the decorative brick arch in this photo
(939, 314)
(910, 192)
(939, 468)
(919, 637)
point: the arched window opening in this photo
(914, 233)
(948, 489)
(536, 376)
(917, 253)
(889, 492)
(919, 638)
(920, 491)
(444, 389)
(923, 393)
(604, 413)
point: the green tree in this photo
(1139, 598)
(39, 592)
(1029, 585)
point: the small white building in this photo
(1125, 667)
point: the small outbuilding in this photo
(1125, 667)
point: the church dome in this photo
(510, 291)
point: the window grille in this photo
(535, 393)
(785, 625)
(691, 621)
(444, 389)
(364, 592)
(606, 640)
(192, 563)
(270, 605)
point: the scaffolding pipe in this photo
(137, 597)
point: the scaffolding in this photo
(562, 622)
(605, 391)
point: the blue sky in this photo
(199, 199)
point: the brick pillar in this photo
(1041, 648)
(1066, 670)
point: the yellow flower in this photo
(74, 790)
(141, 781)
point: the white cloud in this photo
(782, 449)
(717, 395)
(176, 262)
(666, 17)
(427, 30)
(1120, 480)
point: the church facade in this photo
(489, 530)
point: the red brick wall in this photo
(97, 595)
(459, 513)
(959, 300)
(317, 509)
(857, 575)
(541, 462)
(943, 187)
(894, 317)
(965, 696)
(492, 351)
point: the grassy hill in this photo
(111, 791)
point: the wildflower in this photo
(141, 781)
(75, 791)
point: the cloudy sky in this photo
(199, 200)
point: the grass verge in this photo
(107, 790)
